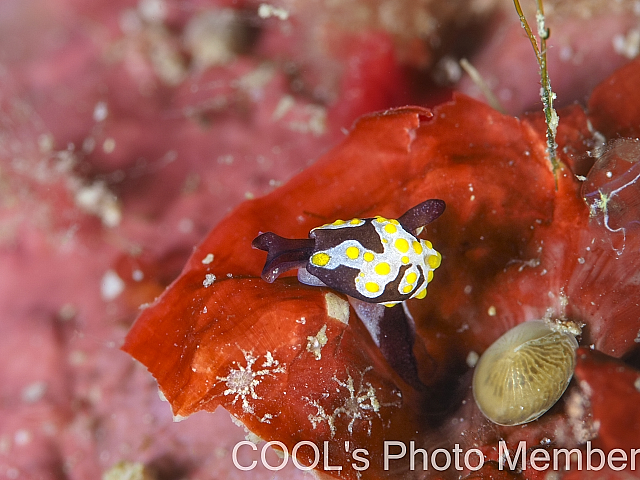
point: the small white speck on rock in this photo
(209, 278)
(472, 359)
(46, 143)
(126, 470)
(98, 200)
(185, 225)
(67, 312)
(153, 11)
(34, 392)
(100, 112)
(111, 286)
(109, 145)
(265, 11)
(22, 437)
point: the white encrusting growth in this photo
(265, 11)
(209, 278)
(316, 342)
(97, 199)
(337, 307)
(241, 382)
(361, 405)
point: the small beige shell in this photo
(524, 372)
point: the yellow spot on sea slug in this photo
(383, 268)
(339, 222)
(428, 243)
(372, 287)
(352, 252)
(380, 219)
(405, 259)
(421, 294)
(320, 259)
(402, 245)
(429, 276)
(368, 257)
(434, 261)
(417, 247)
(390, 228)
(407, 289)
(412, 277)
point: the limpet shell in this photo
(524, 373)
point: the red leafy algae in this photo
(284, 359)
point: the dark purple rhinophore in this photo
(283, 254)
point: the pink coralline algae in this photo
(294, 362)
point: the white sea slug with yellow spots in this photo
(376, 260)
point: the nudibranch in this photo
(375, 260)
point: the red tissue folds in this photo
(293, 362)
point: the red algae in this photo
(614, 105)
(514, 248)
(612, 390)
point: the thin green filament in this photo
(546, 94)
